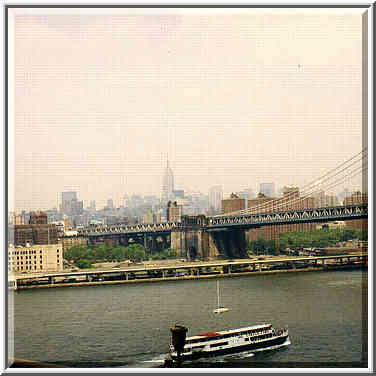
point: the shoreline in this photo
(194, 277)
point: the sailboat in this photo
(219, 308)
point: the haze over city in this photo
(231, 98)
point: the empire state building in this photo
(168, 185)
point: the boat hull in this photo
(235, 349)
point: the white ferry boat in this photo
(262, 336)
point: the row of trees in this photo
(313, 239)
(84, 257)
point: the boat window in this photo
(218, 344)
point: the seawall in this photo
(194, 277)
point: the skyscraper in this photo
(168, 184)
(215, 198)
(70, 205)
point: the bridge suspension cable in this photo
(340, 174)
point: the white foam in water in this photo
(248, 355)
(221, 359)
(158, 359)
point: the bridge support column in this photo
(231, 243)
(123, 240)
(146, 243)
(203, 249)
(177, 242)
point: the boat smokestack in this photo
(178, 333)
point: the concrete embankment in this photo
(193, 277)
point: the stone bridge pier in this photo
(209, 245)
(228, 243)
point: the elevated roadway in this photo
(192, 268)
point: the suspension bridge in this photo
(209, 236)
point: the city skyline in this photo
(233, 98)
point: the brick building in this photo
(234, 203)
(21, 235)
(291, 200)
(174, 212)
(355, 199)
(38, 218)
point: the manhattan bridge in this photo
(207, 237)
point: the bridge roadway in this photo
(325, 214)
(191, 267)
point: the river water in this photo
(128, 325)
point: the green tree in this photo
(83, 264)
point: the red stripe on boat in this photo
(210, 334)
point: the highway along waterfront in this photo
(178, 270)
(129, 325)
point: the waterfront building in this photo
(46, 257)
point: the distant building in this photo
(60, 227)
(248, 194)
(20, 235)
(168, 184)
(16, 219)
(68, 196)
(36, 258)
(70, 205)
(95, 221)
(323, 200)
(178, 193)
(233, 204)
(215, 198)
(151, 217)
(92, 206)
(71, 240)
(291, 200)
(174, 212)
(267, 189)
(357, 198)
(110, 204)
(38, 218)
(260, 203)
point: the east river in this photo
(128, 325)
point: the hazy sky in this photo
(234, 97)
